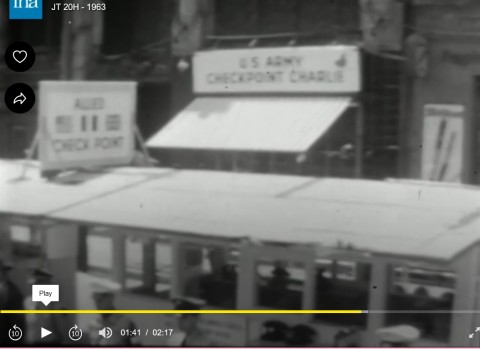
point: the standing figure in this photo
(302, 336)
(274, 334)
(187, 333)
(11, 298)
(278, 286)
(104, 298)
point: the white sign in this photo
(85, 124)
(331, 69)
(443, 135)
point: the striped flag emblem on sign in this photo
(64, 124)
(113, 122)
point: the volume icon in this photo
(105, 332)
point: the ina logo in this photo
(26, 9)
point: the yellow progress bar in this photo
(232, 312)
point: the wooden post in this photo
(466, 267)
(82, 248)
(193, 21)
(3, 27)
(377, 300)
(246, 285)
(119, 256)
(359, 141)
(78, 39)
(149, 266)
(177, 268)
(60, 245)
(5, 241)
(66, 49)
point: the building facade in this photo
(162, 36)
(262, 24)
(442, 136)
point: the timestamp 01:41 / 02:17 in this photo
(154, 332)
(94, 6)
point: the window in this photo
(211, 275)
(99, 254)
(134, 263)
(419, 289)
(148, 266)
(342, 285)
(163, 268)
(26, 241)
(280, 284)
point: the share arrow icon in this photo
(20, 99)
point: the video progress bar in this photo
(237, 312)
(141, 312)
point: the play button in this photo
(45, 332)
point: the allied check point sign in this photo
(86, 124)
(45, 294)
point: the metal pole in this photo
(359, 140)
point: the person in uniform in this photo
(104, 297)
(53, 322)
(278, 285)
(187, 333)
(398, 336)
(301, 336)
(11, 298)
(274, 334)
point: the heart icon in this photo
(20, 56)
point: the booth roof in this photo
(428, 220)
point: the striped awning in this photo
(266, 124)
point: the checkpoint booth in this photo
(218, 236)
(270, 110)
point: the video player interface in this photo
(242, 173)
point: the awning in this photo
(251, 124)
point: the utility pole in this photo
(3, 78)
(193, 22)
(78, 31)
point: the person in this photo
(323, 290)
(188, 333)
(11, 298)
(52, 322)
(278, 286)
(104, 297)
(398, 336)
(274, 334)
(301, 336)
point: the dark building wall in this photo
(454, 69)
(328, 18)
(17, 131)
(382, 103)
(135, 47)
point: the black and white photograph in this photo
(240, 173)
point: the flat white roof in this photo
(427, 220)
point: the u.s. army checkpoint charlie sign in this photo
(328, 69)
(86, 124)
